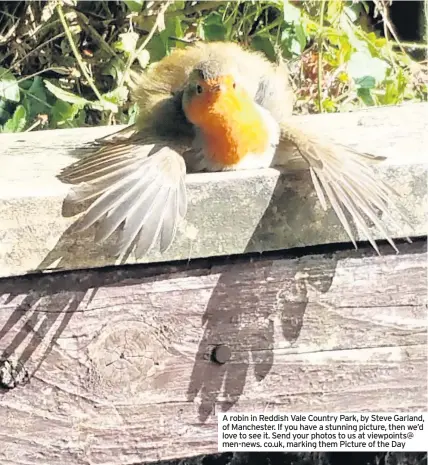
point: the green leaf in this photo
(394, 88)
(353, 12)
(117, 96)
(65, 95)
(291, 13)
(290, 44)
(263, 43)
(362, 65)
(135, 6)
(177, 5)
(103, 105)
(160, 44)
(334, 10)
(178, 27)
(376, 45)
(366, 96)
(69, 97)
(295, 47)
(157, 48)
(9, 88)
(143, 58)
(4, 111)
(18, 120)
(114, 68)
(344, 52)
(133, 113)
(62, 113)
(365, 82)
(214, 27)
(35, 100)
(329, 105)
(127, 43)
(300, 36)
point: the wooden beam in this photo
(119, 359)
(230, 213)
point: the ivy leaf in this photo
(9, 88)
(157, 48)
(18, 120)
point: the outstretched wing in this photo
(132, 184)
(345, 178)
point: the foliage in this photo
(70, 64)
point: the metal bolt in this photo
(221, 354)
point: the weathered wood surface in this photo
(119, 362)
(229, 213)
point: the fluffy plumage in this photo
(222, 107)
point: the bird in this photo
(213, 106)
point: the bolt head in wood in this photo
(221, 354)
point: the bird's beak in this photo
(220, 87)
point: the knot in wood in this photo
(126, 359)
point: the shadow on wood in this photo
(247, 302)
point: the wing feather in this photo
(139, 186)
(348, 181)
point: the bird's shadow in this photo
(251, 296)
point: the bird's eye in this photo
(199, 89)
(234, 85)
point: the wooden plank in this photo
(230, 213)
(119, 359)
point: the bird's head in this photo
(212, 92)
(220, 106)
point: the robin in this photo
(211, 107)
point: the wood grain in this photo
(229, 213)
(119, 359)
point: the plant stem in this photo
(200, 6)
(320, 46)
(380, 5)
(76, 53)
(134, 55)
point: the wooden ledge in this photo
(119, 358)
(229, 213)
